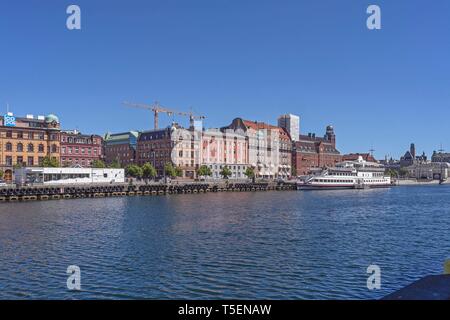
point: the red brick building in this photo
(121, 147)
(355, 156)
(311, 152)
(80, 149)
(155, 147)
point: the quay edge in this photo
(48, 192)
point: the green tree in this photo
(65, 165)
(250, 172)
(392, 173)
(1, 174)
(98, 164)
(403, 172)
(225, 172)
(50, 162)
(148, 171)
(204, 171)
(134, 171)
(178, 172)
(115, 164)
(169, 170)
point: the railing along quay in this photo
(11, 194)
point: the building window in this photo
(41, 148)
(54, 148)
(30, 161)
(30, 147)
(9, 134)
(9, 146)
(20, 135)
(40, 160)
(19, 147)
(8, 160)
(20, 160)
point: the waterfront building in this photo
(80, 149)
(285, 154)
(25, 141)
(186, 150)
(440, 157)
(175, 145)
(263, 146)
(311, 152)
(410, 157)
(225, 148)
(291, 123)
(121, 147)
(355, 156)
(390, 163)
(429, 170)
(155, 147)
(33, 175)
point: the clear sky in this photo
(236, 58)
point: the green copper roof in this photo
(51, 117)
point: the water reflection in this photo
(279, 245)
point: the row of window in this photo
(30, 147)
(346, 181)
(231, 167)
(155, 145)
(333, 181)
(80, 140)
(21, 161)
(30, 135)
(117, 148)
(344, 174)
(155, 154)
(56, 177)
(76, 150)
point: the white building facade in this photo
(186, 153)
(222, 148)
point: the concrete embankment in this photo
(119, 190)
(414, 182)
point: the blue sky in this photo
(228, 58)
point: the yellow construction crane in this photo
(157, 108)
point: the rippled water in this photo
(274, 245)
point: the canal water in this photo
(250, 245)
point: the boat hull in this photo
(339, 187)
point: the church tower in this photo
(412, 150)
(330, 136)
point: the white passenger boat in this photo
(357, 174)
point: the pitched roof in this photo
(258, 125)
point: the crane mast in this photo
(156, 108)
